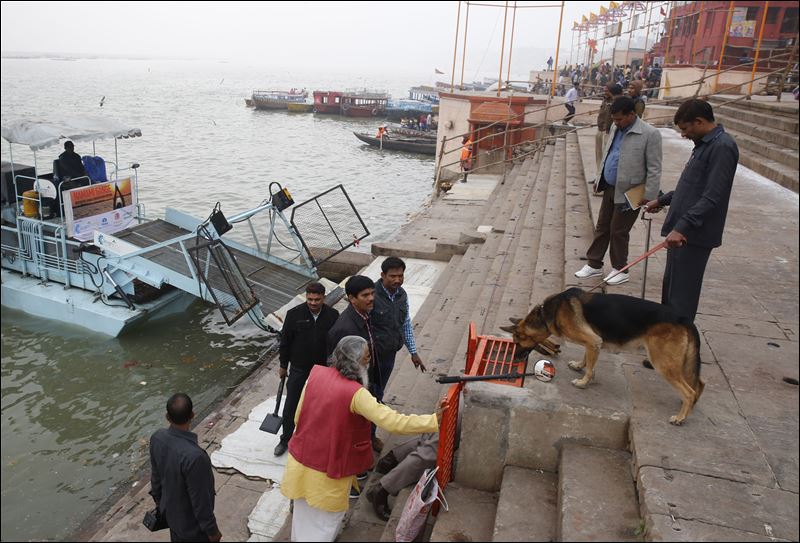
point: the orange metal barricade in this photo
(486, 355)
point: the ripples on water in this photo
(76, 415)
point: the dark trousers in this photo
(683, 279)
(570, 112)
(385, 367)
(381, 376)
(199, 536)
(613, 228)
(294, 387)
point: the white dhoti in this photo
(312, 524)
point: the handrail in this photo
(668, 102)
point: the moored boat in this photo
(364, 104)
(411, 145)
(328, 102)
(277, 99)
(300, 107)
(89, 235)
(396, 129)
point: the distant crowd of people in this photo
(590, 81)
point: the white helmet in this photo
(544, 370)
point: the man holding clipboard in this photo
(630, 175)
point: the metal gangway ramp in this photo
(189, 254)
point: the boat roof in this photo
(40, 134)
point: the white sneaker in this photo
(617, 278)
(588, 271)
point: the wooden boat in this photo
(328, 102)
(396, 129)
(411, 145)
(300, 108)
(277, 99)
(364, 104)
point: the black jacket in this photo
(349, 323)
(182, 483)
(70, 165)
(699, 204)
(303, 339)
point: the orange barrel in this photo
(30, 205)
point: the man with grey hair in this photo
(331, 442)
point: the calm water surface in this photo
(77, 407)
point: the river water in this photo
(78, 407)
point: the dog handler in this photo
(698, 206)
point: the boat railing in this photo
(31, 255)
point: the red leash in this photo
(632, 264)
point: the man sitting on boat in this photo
(69, 162)
(383, 132)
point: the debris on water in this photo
(130, 364)
(143, 383)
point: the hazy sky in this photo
(404, 37)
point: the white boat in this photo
(81, 250)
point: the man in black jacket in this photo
(698, 206)
(181, 476)
(69, 162)
(303, 344)
(356, 320)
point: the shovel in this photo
(272, 423)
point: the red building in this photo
(698, 31)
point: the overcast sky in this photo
(389, 36)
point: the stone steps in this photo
(470, 518)
(784, 155)
(774, 108)
(578, 224)
(761, 131)
(502, 267)
(549, 274)
(786, 176)
(596, 495)
(515, 301)
(527, 506)
(774, 120)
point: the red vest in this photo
(328, 437)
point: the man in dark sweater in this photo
(181, 476)
(391, 321)
(303, 344)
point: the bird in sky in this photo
(103, 99)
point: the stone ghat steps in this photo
(592, 497)
(440, 324)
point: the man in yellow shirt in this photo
(332, 442)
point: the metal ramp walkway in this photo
(188, 254)
(274, 285)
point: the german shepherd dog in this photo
(593, 319)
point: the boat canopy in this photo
(40, 134)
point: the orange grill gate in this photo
(486, 355)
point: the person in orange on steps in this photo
(466, 156)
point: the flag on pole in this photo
(438, 71)
(584, 20)
(661, 11)
(613, 5)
